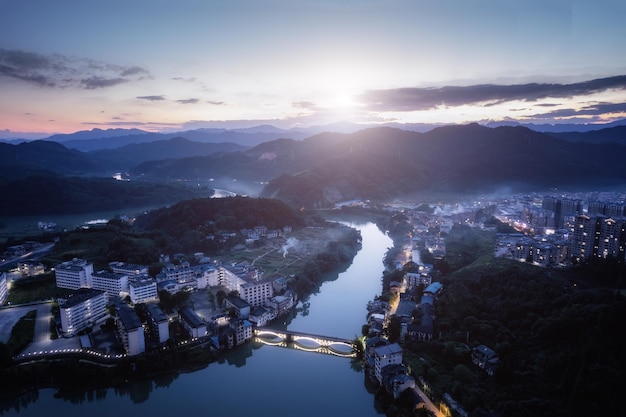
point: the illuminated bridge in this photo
(305, 341)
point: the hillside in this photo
(383, 163)
(386, 163)
(51, 194)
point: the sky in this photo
(165, 65)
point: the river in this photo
(257, 379)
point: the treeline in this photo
(51, 194)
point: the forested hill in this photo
(52, 194)
(387, 163)
(210, 214)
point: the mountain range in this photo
(325, 168)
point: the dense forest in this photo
(558, 334)
(52, 194)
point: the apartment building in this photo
(192, 322)
(142, 288)
(84, 308)
(130, 330)
(256, 293)
(74, 274)
(158, 323)
(114, 284)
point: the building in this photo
(142, 289)
(74, 274)
(485, 358)
(4, 289)
(256, 293)
(386, 355)
(282, 303)
(583, 237)
(158, 323)
(127, 268)
(81, 310)
(241, 307)
(192, 322)
(130, 330)
(242, 330)
(114, 284)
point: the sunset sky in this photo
(72, 65)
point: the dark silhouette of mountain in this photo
(376, 163)
(94, 134)
(559, 127)
(55, 194)
(130, 155)
(383, 163)
(616, 134)
(47, 155)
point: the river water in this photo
(257, 379)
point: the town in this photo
(115, 313)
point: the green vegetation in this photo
(68, 195)
(35, 288)
(22, 333)
(559, 341)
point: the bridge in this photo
(305, 341)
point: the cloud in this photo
(101, 82)
(596, 109)
(188, 101)
(59, 71)
(307, 105)
(152, 98)
(410, 99)
(216, 103)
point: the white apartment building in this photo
(142, 288)
(256, 293)
(130, 330)
(81, 310)
(113, 283)
(74, 274)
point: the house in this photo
(242, 331)
(434, 288)
(485, 358)
(260, 316)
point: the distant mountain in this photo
(94, 134)
(560, 127)
(615, 134)
(50, 156)
(130, 155)
(384, 163)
